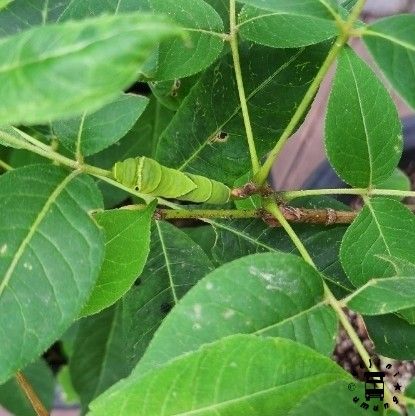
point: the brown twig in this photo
(27, 389)
(325, 216)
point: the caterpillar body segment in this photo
(150, 177)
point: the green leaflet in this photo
(149, 177)
(271, 294)
(363, 140)
(127, 246)
(94, 132)
(382, 296)
(87, 65)
(383, 229)
(288, 24)
(203, 42)
(50, 255)
(216, 380)
(394, 37)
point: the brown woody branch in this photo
(27, 389)
(325, 216)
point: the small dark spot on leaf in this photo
(166, 307)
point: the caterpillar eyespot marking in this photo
(151, 178)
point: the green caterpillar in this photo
(149, 177)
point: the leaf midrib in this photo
(169, 272)
(249, 396)
(369, 150)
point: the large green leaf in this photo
(263, 294)
(391, 41)
(393, 336)
(384, 228)
(127, 246)
(110, 343)
(204, 42)
(364, 140)
(275, 81)
(50, 255)
(87, 65)
(288, 24)
(40, 378)
(238, 375)
(335, 399)
(93, 132)
(382, 296)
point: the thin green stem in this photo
(233, 39)
(78, 154)
(289, 195)
(31, 139)
(5, 166)
(273, 209)
(342, 39)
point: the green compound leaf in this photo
(383, 229)
(216, 380)
(207, 134)
(50, 255)
(382, 296)
(93, 132)
(363, 140)
(288, 24)
(391, 42)
(41, 379)
(263, 294)
(127, 235)
(203, 42)
(87, 65)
